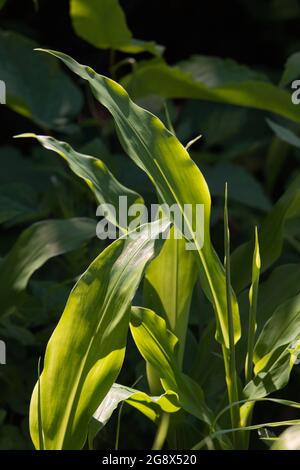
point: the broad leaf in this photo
(177, 179)
(86, 351)
(168, 287)
(150, 406)
(159, 347)
(36, 245)
(102, 23)
(282, 328)
(156, 77)
(22, 71)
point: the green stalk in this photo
(247, 408)
(229, 354)
(253, 296)
(162, 432)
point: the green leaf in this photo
(159, 347)
(291, 70)
(106, 188)
(273, 376)
(285, 134)
(282, 285)
(253, 299)
(102, 23)
(36, 245)
(18, 202)
(196, 81)
(150, 406)
(282, 328)
(177, 179)
(86, 351)
(2, 3)
(286, 208)
(23, 72)
(168, 286)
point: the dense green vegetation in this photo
(195, 348)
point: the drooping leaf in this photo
(159, 347)
(22, 71)
(94, 172)
(91, 337)
(36, 245)
(102, 23)
(150, 406)
(242, 89)
(177, 179)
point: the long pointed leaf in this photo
(94, 172)
(86, 351)
(177, 179)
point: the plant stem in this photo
(162, 432)
(229, 354)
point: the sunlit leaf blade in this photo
(287, 207)
(288, 440)
(150, 406)
(177, 179)
(168, 286)
(158, 78)
(95, 173)
(273, 376)
(36, 245)
(86, 351)
(159, 347)
(253, 298)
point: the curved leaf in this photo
(86, 351)
(36, 245)
(52, 106)
(102, 23)
(177, 179)
(158, 346)
(95, 173)
(156, 77)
